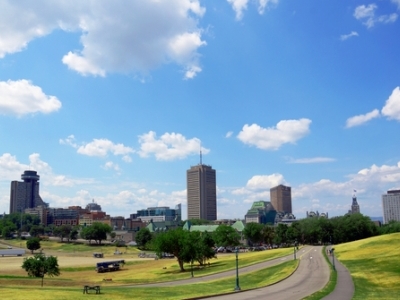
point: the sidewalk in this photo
(344, 289)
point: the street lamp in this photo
(237, 287)
(333, 259)
(294, 249)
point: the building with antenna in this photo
(201, 192)
(25, 194)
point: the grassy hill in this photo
(374, 264)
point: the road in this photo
(311, 276)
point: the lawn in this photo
(374, 265)
(226, 285)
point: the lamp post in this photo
(333, 259)
(237, 287)
(294, 249)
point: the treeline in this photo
(319, 231)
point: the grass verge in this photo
(374, 266)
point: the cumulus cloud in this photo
(116, 36)
(361, 119)
(112, 166)
(11, 169)
(265, 182)
(347, 36)
(311, 160)
(21, 97)
(392, 106)
(99, 148)
(366, 13)
(241, 5)
(286, 131)
(169, 146)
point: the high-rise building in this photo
(25, 194)
(281, 198)
(201, 192)
(391, 206)
(158, 214)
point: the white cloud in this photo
(392, 106)
(169, 146)
(21, 97)
(116, 36)
(311, 160)
(240, 5)
(265, 182)
(11, 169)
(82, 65)
(229, 134)
(361, 119)
(347, 36)
(366, 13)
(112, 166)
(286, 131)
(101, 148)
(70, 141)
(397, 2)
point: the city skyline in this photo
(106, 105)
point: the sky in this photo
(111, 101)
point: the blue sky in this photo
(112, 101)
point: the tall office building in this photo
(391, 206)
(281, 198)
(201, 192)
(25, 194)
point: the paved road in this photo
(311, 276)
(256, 267)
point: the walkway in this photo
(344, 289)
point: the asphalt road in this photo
(311, 276)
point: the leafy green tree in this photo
(36, 230)
(97, 232)
(202, 247)
(253, 232)
(280, 234)
(33, 244)
(6, 232)
(268, 234)
(73, 235)
(143, 237)
(226, 236)
(40, 265)
(177, 242)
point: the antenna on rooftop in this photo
(201, 158)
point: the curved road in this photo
(311, 276)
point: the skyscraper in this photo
(391, 206)
(201, 192)
(25, 194)
(281, 198)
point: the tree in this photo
(33, 244)
(63, 231)
(36, 230)
(40, 265)
(226, 236)
(143, 237)
(97, 232)
(253, 233)
(176, 242)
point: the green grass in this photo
(374, 265)
(330, 286)
(247, 281)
